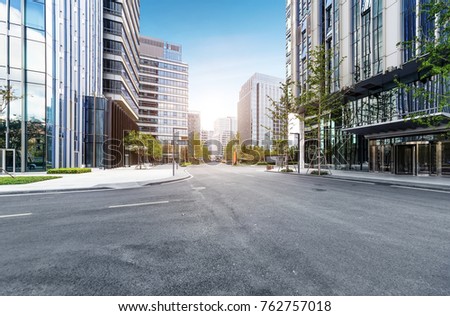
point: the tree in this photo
(195, 148)
(143, 144)
(7, 96)
(205, 152)
(279, 113)
(432, 46)
(317, 101)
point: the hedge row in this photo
(68, 170)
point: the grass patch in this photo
(69, 171)
(25, 180)
(185, 164)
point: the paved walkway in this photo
(119, 178)
(426, 182)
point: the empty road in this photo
(228, 231)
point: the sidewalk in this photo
(119, 178)
(424, 182)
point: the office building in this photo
(225, 129)
(254, 122)
(194, 123)
(374, 131)
(120, 76)
(206, 135)
(49, 57)
(163, 98)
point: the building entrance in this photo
(409, 158)
(405, 159)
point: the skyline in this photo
(224, 43)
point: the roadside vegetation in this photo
(25, 180)
(69, 171)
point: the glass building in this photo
(49, 57)
(254, 120)
(120, 75)
(375, 130)
(163, 102)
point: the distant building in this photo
(225, 129)
(254, 122)
(194, 134)
(163, 102)
(194, 123)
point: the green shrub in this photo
(25, 180)
(69, 170)
(322, 172)
(262, 163)
(287, 170)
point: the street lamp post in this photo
(173, 148)
(298, 148)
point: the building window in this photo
(366, 51)
(328, 20)
(377, 36)
(356, 38)
(409, 28)
(35, 14)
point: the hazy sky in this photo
(224, 42)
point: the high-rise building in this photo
(164, 92)
(375, 131)
(255, 125)
(194, 123)
(120, 74)
(50, 52)
(225, 129)
(206, 135)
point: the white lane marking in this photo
(15, 215)
(139, 204)
(54, 193)
(198, 188)
(354, 181)
(420, 189)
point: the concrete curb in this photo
(429, 186)
(110, 186)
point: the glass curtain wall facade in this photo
(163, 105)
(254, 122)
(374, 131)
(47, 58)
(120, 74)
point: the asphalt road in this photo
(228, 231)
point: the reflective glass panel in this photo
(35, 56)
(2, 10)
(15, 117)
(15, 11)
(35, 14)
(35, 35)
(35, 102)
(2, 50)
(35, 77)
(15, 52)
(35, 130)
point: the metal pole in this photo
(298, 160)
(7, 125)
(173, 152)
(3, 166)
